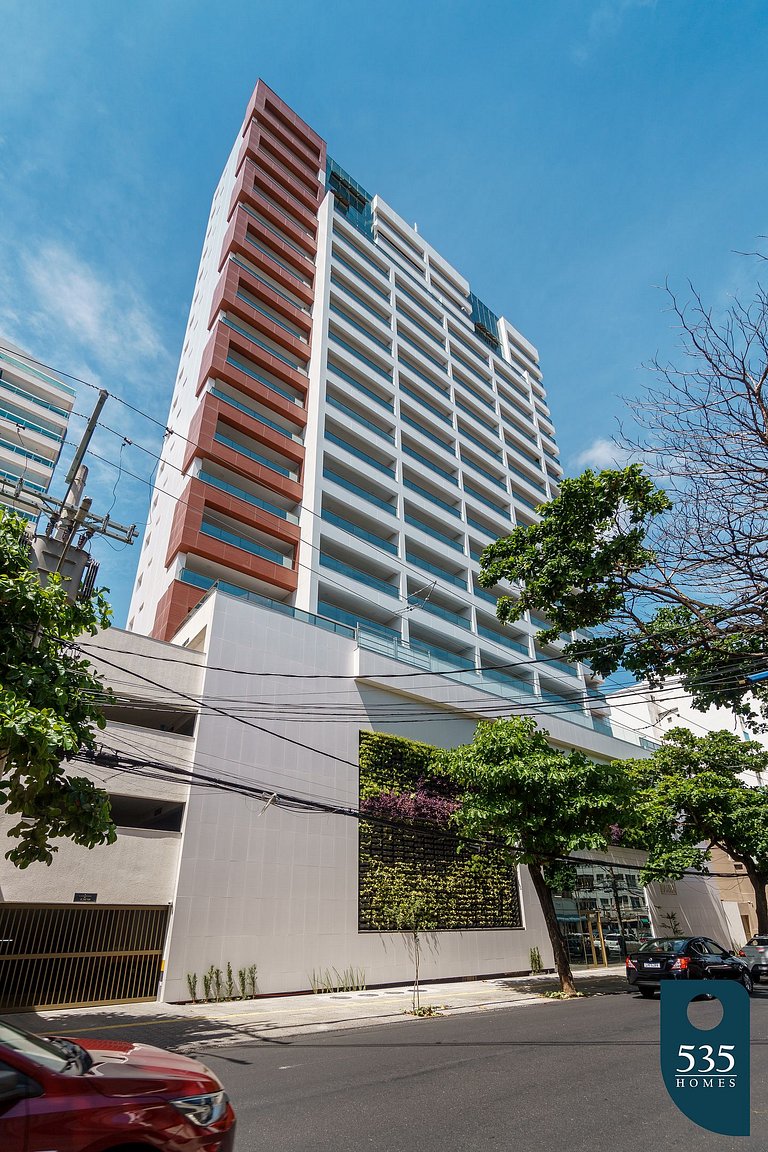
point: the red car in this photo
(61, 1095)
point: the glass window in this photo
(664, 944)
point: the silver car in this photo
(755, 953)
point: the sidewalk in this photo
(190, 1027)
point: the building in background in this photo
(92, 927)
(352, 426)
(35, 408)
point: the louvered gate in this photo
(64, 955)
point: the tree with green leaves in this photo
(543, 804)
(406, 904)
(673, 570)
(691, 796)
(49, 706)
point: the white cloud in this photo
(601, 453)
(605, 21)
(107, 319)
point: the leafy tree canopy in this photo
(690, 796)
(48, 706)
(543, 803)
(674, 574)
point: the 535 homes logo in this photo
(706, 1073)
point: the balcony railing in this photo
(371, 461)
(353, 415)
(449, 476)
(245, 544)
(381, 400)
(241, 494)
(457, 545)
(207, 582)
(436, 570)
(363, 493)
(366, 578)
(257, 456)
(501, 638)
(425, 432)
(254, 415)
(438, 610)
(426, 495)
(356, 530)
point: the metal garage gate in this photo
(64, 955)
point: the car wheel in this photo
(647, 993)
(746, 982)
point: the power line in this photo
(291, 801)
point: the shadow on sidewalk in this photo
(602, 984)
(162, 1031)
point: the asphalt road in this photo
(581, 1075)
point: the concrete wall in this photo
(696, 903)
(278, 888)
(139, 868)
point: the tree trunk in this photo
(757, 880)
(562, 962)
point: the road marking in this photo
(110, 1027)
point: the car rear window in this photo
(664, 944)
(759, 941)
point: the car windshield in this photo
(43, 1052)
(664, 944)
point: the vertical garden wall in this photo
(473, 886)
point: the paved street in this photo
(581, 1075)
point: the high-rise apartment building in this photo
(350, 427)
(351, 424)
(34, 410)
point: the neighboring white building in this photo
(654, 711)
(92, 926)
(34, 410)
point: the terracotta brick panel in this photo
(204, 445)
(173, 608)
(214, 364)
(264, 100)
(267, 153)
(214, 412)
(262, 359)
(226, 299)
(247, 514)
(263, 180)
(303, 264)
(235, 241)
(246, 192)
(236, 277)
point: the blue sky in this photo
(565, 156)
